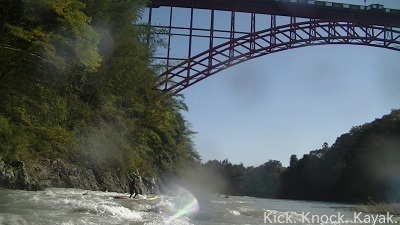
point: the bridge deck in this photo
(374, 14)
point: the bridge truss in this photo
(202, 51)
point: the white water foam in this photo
(97, 203)
(81, 207)
(234, 212)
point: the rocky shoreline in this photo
(48, 173)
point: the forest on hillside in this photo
(76, 84)
(362, 165)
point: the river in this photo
(75, 206)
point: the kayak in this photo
(136, 199)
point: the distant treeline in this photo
(362, 165)
(76, 84)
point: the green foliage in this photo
(46, 34)
(6, 135)
(361, 165)
(235, 179)
(76, 84)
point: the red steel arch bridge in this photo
(209, 36)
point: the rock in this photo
(149, 184)
(14, 175)
(46, 173)
(57, 173)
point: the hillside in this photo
(79, 105)
(361, 165)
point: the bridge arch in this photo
(294, 35)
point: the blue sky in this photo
(289, 102)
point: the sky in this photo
(289, 102)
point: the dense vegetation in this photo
(362, 165)
(76, 84)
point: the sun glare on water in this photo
(186, 204)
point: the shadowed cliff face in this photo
(14, 175)
(48, 173)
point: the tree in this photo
(293, 160)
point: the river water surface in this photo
(74, 206)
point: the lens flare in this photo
(186, 205)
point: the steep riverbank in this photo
(47, 173)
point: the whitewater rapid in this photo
(74, 206)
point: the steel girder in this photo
(276, 39)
